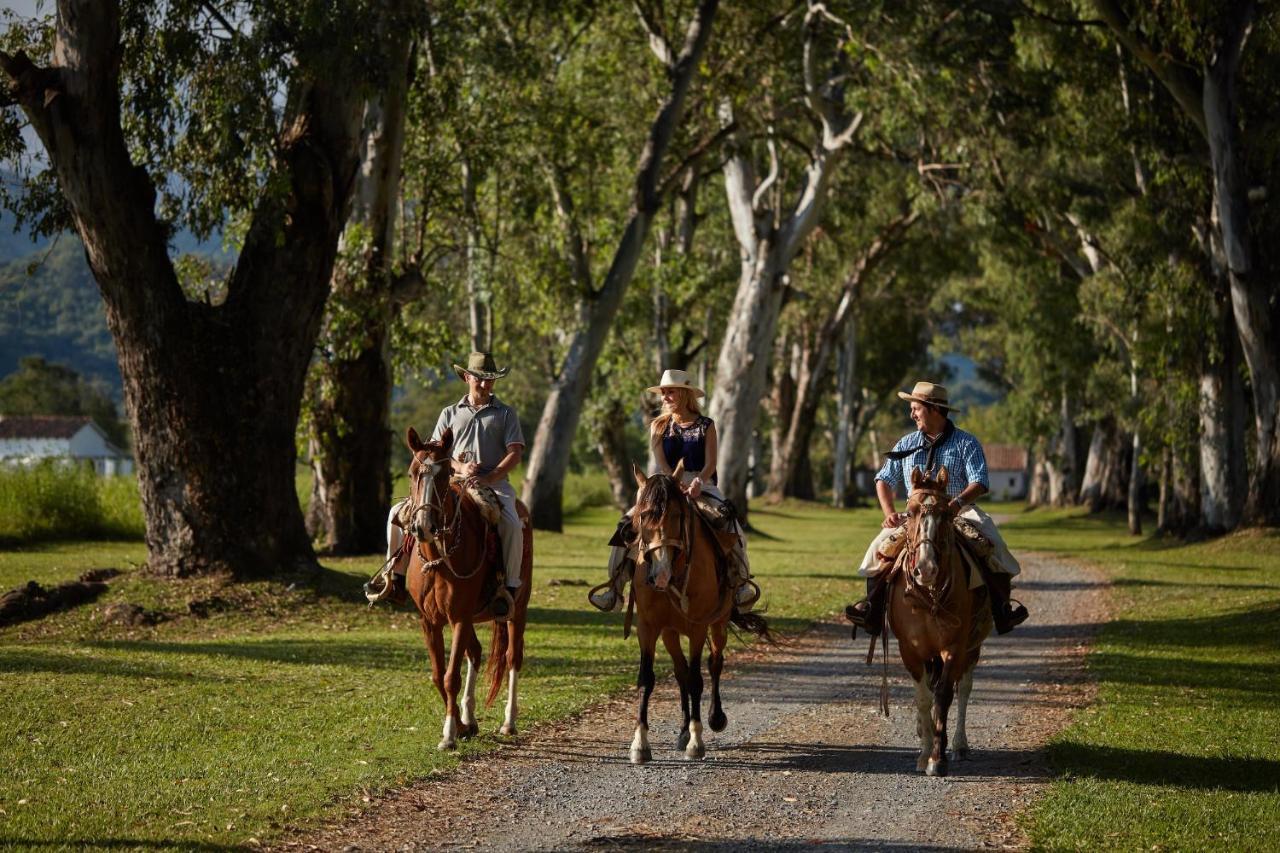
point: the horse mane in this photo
(659, 490)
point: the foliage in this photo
(57, 501)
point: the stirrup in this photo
(605, 596)
(745, 595)
(382, 587)
(861, 618)
(1017, 615)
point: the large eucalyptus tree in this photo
(235, 116)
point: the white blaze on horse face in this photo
(927, 553)
(469, 696)
(660, 566)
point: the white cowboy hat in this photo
(676, 379)
(928, 392)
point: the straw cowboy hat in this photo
(481, 365)
(928, 392)
(676, 379)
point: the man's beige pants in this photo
(1001, 559)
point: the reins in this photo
(450, 536)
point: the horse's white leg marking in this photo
(468, 709)
(924, 721)
(696, 748)
(960, 743)
(449, 737)
(509, 724)
(640, 751)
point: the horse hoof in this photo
(641, 756)
(718, 721)
(921, 763)
(683, 740)
(936, 768)
(446, 745)
(695, 752)
(508, 730)
(962, 753)
(469, 731)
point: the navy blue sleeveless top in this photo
(687, 443)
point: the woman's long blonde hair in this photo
(659, 425)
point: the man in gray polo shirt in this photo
(487, 444)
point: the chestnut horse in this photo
(939, 621)
(450, 571)
(677, 556)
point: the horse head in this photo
(660, 522)
(428, 485)
(929, 515)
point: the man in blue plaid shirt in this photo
(936, 443)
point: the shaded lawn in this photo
(297, 704)
(1182, 748)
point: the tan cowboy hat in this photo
(676, 379)
(928, 392)
(481, 364)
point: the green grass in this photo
(298, 703)
(1181, 750)
(51, 502)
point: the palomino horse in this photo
(453, 551)
(939, 622)
(677, 560)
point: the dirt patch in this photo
(34, 601)
(805, 761)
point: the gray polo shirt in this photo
(484, 432)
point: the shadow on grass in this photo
(28, 661)
(1259, 678)
(1165, 768)
(1257, 627)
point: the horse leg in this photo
(515, 659)
(960, 743)
(452, 675)
(924, 719)
(434, 636)
(641, 753)
(715, 664)
(680, 668)
(696, 748)
(943, 692)
(469, 727)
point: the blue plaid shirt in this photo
(961, 454)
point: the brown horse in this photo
(677, 561)
(939, 621)
(450, 572)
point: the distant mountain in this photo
(965, 386)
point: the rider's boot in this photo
(745, 591)
(608, 595)
(868, 614)
(1004, 613)
(399, 593)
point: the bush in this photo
(58, 501)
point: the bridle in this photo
(444, 538)
(931, 506)
(683, 543)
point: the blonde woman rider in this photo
(682, 433)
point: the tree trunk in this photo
(611, 441)
(557, 428)
(1222, 433)
(350, 390)
(1038, 490)
(788, 375)
(1105, 484)
(1067, 491)
(846, 407)
(479, 291)
(213, 391)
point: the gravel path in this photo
(805, 760)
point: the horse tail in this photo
(498, 649)
(754, 624)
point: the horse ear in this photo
(678, 472)
(412, 439)
(638, 474)
(446, 440)
(942, 477)
(917, 476)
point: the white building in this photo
(1007, 471)
(28, 439)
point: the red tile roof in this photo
(1005, 457)
(41, 426)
